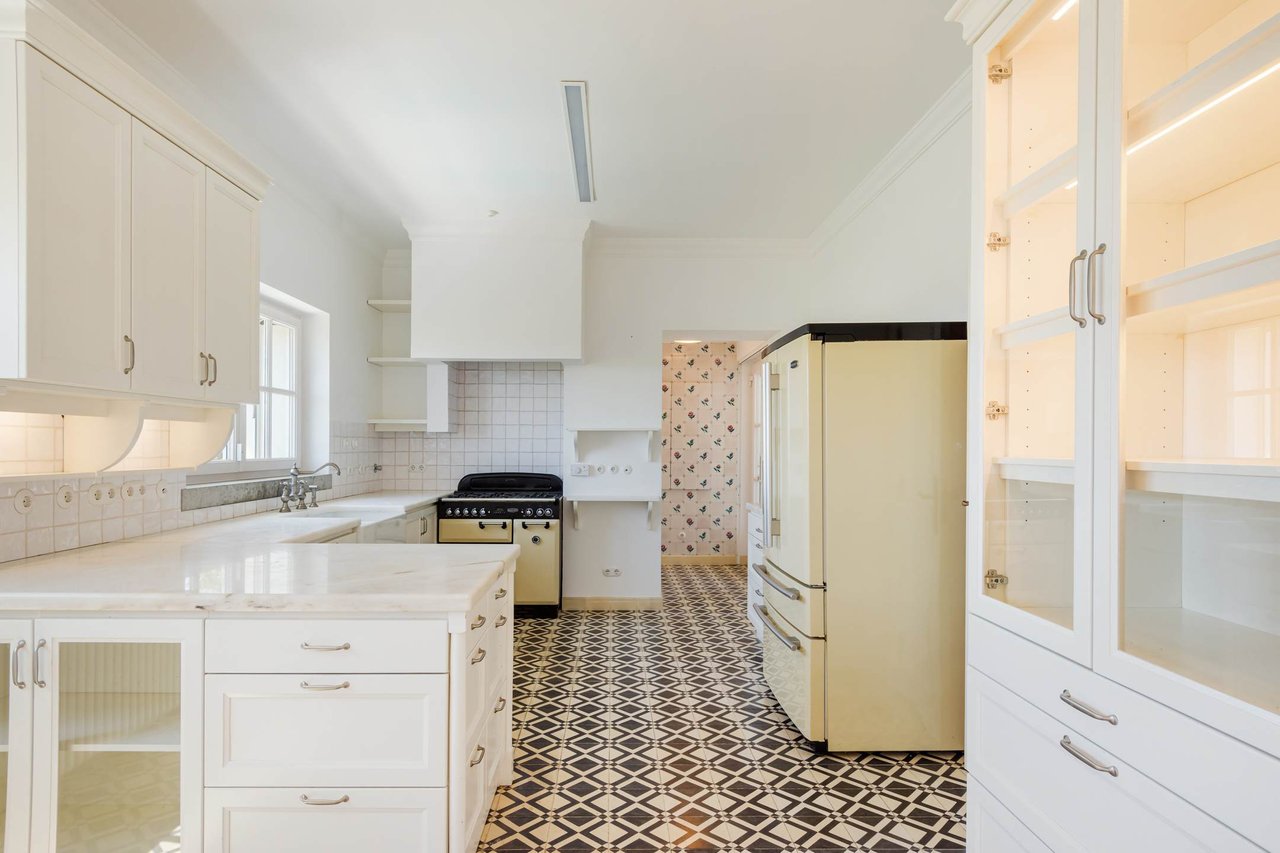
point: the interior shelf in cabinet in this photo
(1039, 327)
(390, 306)
(119, 722)
(1228, 280)
(1254, 480)
(1033, 470)
(1057, 177)
(1231, 658)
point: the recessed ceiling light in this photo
(574, 96)
(492, 213)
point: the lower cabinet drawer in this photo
(1023, 756)
(344, 729)
(992, 828)
(324, 820)
(326, 645)
(1184, 755)
(476, 788)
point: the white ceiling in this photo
(709, 118)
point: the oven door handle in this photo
(504, 525)
(524, 525)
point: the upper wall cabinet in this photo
(129, 263)
(497, 294)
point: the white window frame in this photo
(269, 310)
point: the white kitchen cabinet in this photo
(166, 305)
(116, 735)
(16, 704)
(230, 291)
(755, 581)
(324, 820)
(1124, 439)
(73, 267)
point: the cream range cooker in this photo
(503, 508)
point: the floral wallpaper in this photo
(701, 425)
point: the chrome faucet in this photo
(294, 489)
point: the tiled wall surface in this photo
(510, 417)
(137, 503)
(30, 444)
(701, 423)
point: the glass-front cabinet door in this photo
(15, 730)
(1188, 581)
(1035, 91)
(117, 746)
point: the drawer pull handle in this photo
(306, 685)
(504, 525)
(1085, 757)
(307, 801)
(1088, 710)
(480, 655)
(502, 620)
(308, 647)
(502, 703)
(786, 591)
(758, 593)
(14, 673)
(479, 753)
(501, 593)
(479, 623)
(790, 642)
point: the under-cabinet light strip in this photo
(1160, 134)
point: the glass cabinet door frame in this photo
(1234, 716)
(1075, 642)
(17, 635)
(54, 633)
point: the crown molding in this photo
(974, 16)
(954, 105)
(680, 247)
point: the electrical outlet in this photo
(613, 572)
(579, 469)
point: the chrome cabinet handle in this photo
(1091, 289)
(479, 753)
(35, 658)
(1071, 289)
(501, 593)
(307, 801)
(14, 672)
(307, 685)
(786, 591)
(790, 642)
(214, 362)
(133, 355)
(480, 655)
(502, 620)
(479, 623)
(205, 358)
(758, 593)
(1088, 710)
(502, 703)
(1085, 757)
(308, 647)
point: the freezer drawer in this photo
(802, 606)
(471, 530)
(795, 667)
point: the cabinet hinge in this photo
(997, 241)
(999, 72)
(996, 410)
(995, 580)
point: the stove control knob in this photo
(482, 512)
(467, 512)
(540, 512)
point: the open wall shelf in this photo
(391, 306)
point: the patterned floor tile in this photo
(654, 732)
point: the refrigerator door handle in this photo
(769, 382)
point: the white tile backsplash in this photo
(509, 416)
(30, 444)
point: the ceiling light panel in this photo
(574, 97)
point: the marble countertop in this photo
(404, 501)
(149, 576)
(263, 528)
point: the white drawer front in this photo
(326, 645)
(992, 828)
(475, 786)
(1016, 751)
(377, 731)
(272, 820)
(1226, 778)
(755, 531)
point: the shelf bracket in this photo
(577, 512)
(651, 513)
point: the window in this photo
(266, 435)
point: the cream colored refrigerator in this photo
(862, 495)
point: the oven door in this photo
(538, 577)
(474, 530)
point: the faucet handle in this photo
(313, 489)
(284, 498)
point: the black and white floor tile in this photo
(655, 731)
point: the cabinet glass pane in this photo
(118, 747)
(1199, 590)
(1030, 369)
(5, 651)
